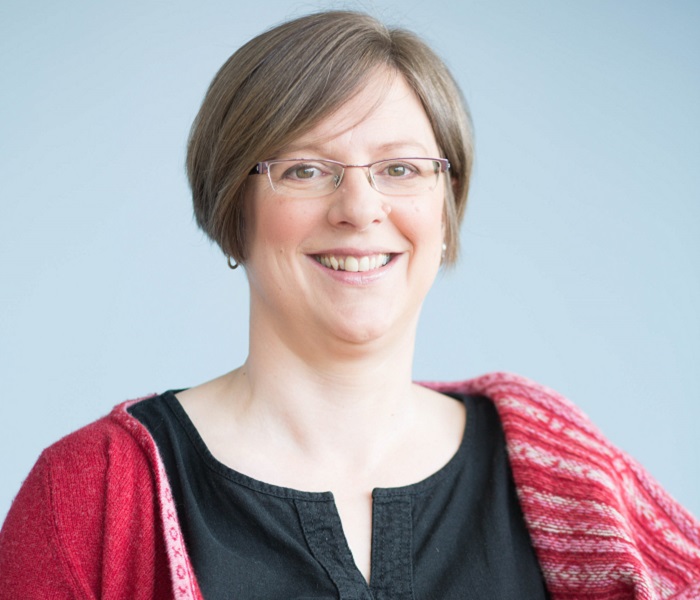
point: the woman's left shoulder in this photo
(582, 496)
(525, 404)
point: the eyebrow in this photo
(320, 151)
(404, 144)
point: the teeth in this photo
(354, 264)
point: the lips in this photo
(353, 264)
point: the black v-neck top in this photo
(458, 534)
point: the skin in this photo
(326, 388)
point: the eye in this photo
(303, 171)
(399, 170)
(396, 170)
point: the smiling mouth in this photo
(353, 264)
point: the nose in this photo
(356, 204)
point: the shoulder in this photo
(115, 440)
(552, 440)
(89, 498)
(95, 469)
(582, 496)
(529, 409)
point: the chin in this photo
(359, 333)
(365, 330)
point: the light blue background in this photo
(580, 265)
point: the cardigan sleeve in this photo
(601, 526)
(32, 564)
(86, 523)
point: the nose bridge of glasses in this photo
(366, 169)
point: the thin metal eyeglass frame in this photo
(263, 168)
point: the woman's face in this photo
(292, 240)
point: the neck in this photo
(327, 397)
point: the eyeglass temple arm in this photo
(260, 168)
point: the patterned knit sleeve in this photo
(601, 526)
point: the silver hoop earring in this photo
(232, 265)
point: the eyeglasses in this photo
(314, 178)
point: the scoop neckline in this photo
(412, 489)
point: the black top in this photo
(458, 534)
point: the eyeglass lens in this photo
(312, 178)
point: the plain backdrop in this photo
(581, 258)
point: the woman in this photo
(331, 159)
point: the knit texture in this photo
(601, 526)
(95, 517)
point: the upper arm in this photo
(32, 561)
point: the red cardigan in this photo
(95, 518)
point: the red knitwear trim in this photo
(184, 585)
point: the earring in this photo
(444, 253)
(232, 265)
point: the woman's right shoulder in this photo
(95, 463)
(116, 439)
(90, 496)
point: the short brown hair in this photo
(285, 81)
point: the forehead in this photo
(384, 116)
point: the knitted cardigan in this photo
(95, 517)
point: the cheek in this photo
(421, 222)
(277, 231)
(279, 224)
